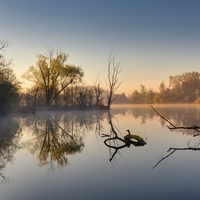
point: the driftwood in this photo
(113, 141)
(173, 127)
(163, 159)
(113, 138)
(172, 150)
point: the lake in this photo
(83, 155)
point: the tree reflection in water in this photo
(179, 115)
(9, 143)
(57, 135)
(113, 141)
(53, 140)
(187, 117)
(193, 129)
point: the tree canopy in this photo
(51, 75)
(183, 88)
(9, 85)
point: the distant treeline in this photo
(183, 88)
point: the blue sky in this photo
(153, 39)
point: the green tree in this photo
(163, 94)
(9, 85)
(98, 94)
(122, 99)
(157, 98)
(143, 93)
(10, 134)
(52, 75)
(149, 96)
(185, 87)
(52, 142)
(135, 97)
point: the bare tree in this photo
(171, 126)
(4, 44)
(113, 82)
(172, 150)
(84, 96)
(98, 91)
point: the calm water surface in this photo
(62, 155)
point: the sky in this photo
(152, 39)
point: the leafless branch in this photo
(173, 149)
(98, 91)
(163, 158)
(61, 128)
(4, 44)
(113, 82)
(3, 63)
(163, 117)
(193, 127)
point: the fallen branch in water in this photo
(172, 127)
(173, 149)
(193, 127)
(163, 158)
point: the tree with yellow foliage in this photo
(52, 75)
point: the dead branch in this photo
(61, 128)
(163, 158)
(113, 82)
(186, 148)
(114, 138)
(193, 127)
(163, 117)
(4, 44)
(173, 149)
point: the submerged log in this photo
(136, 140)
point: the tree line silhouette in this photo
(55, 84)
(183, 88)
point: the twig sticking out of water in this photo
(172, 150)
(164, 158)
(193, 127)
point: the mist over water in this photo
(62, 154)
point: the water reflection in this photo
(184, 118)
(57, 135)
(193, 129)
(9, 143)
(52, 137)
(172, 150)
(113, 141)
(54, 140)
(183, 115)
